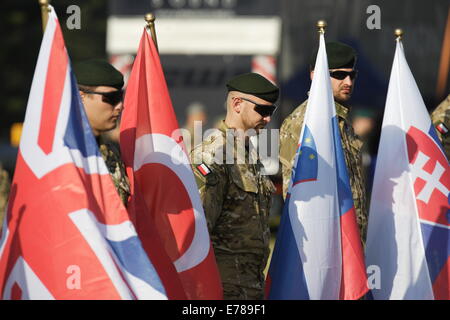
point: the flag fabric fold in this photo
(318, 252)
(165, 202)
(66, 233)
(409, 224)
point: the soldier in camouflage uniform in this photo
(4, 192)
(100, 87)
(236, 196)
(441, 121)
(341, 61)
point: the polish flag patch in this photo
(203, 168)
(442, 128)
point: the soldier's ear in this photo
(311, 74)
(236, 104)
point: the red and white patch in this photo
(442, 128)
(203, 168)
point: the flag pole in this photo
(44, 12)
(444, 64)
(150, 19)
(321, 26)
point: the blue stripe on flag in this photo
(286, 269)
(437, 248)
(307, 164)
(135, 261)
(345, 196)
(79, 134)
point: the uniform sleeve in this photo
(4, 192)
(289, 136)
(212, 188)
(441, 116)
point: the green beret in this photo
(98, 72)
(363, 112)
(254, 84)
(340, 56)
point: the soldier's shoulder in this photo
(204, 159)
(293, 117)
(208, 150)
(442, 111)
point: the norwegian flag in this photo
(318, 252)
(163, 187)
(409, 222)
(66, 234)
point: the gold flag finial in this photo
(398, 33)
(150, 19)
(321, 26)
(44, 12)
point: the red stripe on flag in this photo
(354, 277)
(267, 287)
(441, 283)
(54, 86)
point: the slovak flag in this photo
(409, 222)
(164, 193)
(66, 233)
(318, 252)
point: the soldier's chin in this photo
(111, 126)
(343, 97)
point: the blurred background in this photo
(203, 43)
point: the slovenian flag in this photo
(318, 252)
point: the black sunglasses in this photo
(262, 109)
(341, 75)
(113, 97)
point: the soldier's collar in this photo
(224, 128)
(341, 110)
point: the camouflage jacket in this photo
(236, 199)
(4, 193)
(289, 138)
(441, 121)
(116, 168)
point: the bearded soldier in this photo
(341, 61)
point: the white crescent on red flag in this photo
(164, 191)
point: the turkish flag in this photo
(164, 196)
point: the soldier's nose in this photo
(119, 106)
(348, 80)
